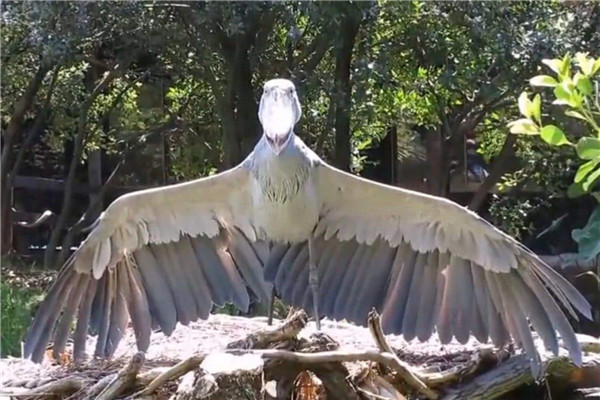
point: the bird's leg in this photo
(313, 280)
(271, 304)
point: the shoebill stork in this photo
(330, 242)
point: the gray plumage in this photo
(324, 239)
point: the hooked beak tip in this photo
(277, 143)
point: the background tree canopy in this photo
(134, 94)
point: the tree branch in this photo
(49, 255)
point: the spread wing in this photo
(157, 257)
(424, 262)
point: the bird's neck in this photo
(279, 177)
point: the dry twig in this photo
(287, 330)
(124, 379)
(62, 387)
(172, 373)
(400, 367)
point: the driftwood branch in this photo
(62, 387)
(485, 355)
(170, 374)
(124, 379)
(287, 330)
(516, 372)
(387, 359)
(400, 367)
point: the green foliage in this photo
(588, 238)
(577, 94)
(16, 315)
(418, 66)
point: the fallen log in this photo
(516, 372)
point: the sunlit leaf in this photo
(562, 95)
(543, 80)
(583, 84)
(588, 148)
(565, 66)
(523, 126)
(555, 64)
(591, 180)
(536, 108)
(575, 114)
(585, 169)
(586, 64)
(596, 66)
(553, 135)
(525, 107)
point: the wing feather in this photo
(426, 312)
(409, 320)
(83, 318)
(103, 311)
(157, 257)
(398, 290)
(64, 326)
(483, 282)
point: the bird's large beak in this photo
(278, 113)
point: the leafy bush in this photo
(16, 314)
(577, 93)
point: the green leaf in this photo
(575, 114)
(565, 67)
(585, 168)
(523, 126)
(596, 66)
(591, 180)
(543, 80)
(553, 135)
(525, 107)
(575, 190)
(583, 84)
(562, 96)
(587, 237)
(586, 64)
(555, 64)
(536, 108)
(588, 148)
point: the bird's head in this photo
(278, 112)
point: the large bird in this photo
(328, 241)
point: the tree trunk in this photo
(238, 105)
(247, 117)
(434, 143)
(10, 136)
(498, 169)
(231, 146)
(343, 87)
